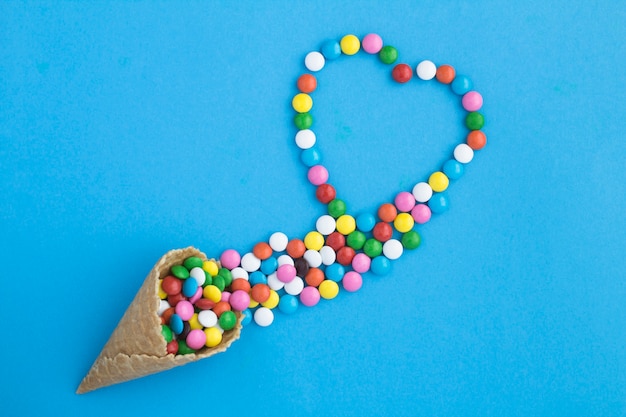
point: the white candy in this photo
(313, 258)
(314, 61)
(250, 263)
(328, 255)
(305, 139)
(463, 153)
(198, 274)
(426, 70)
(295, 286)
(274, 283)
(278, 242)
(285, 259)
(422, 192)
(239, 272)
(325, 224)
(207, 318)
(392, 249)
(263, 316)
(163, 305)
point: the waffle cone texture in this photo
(137, 348)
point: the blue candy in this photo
(380, 265)
(335, 272)
(288, 304)
(190, 286)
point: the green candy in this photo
(183, 349)
(208, 279)
(227, 275)
(388, 54)
(192, 262)
(373, 247)
(356, 239)
(167, 333)
(219, 282)
(337, 208)
(411, 239)
(303, 120)
(474, 120)
(228, 320)
(180, 271)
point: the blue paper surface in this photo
(128, 129)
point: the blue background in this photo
(128, 129)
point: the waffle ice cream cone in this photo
(137, 348)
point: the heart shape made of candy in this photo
(191, 307)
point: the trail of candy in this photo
(200, 297)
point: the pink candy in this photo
(472, 101)
(421, 213)
(317, 175)
(310, 296)
(361, 262)
(196, 339)
(239, 300)
(372, 43)
(286, 273)
(352, 281)
(230, 259)
(404, 201)
(184, 309)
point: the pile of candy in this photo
(199, 299)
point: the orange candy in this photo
(262, 250)
(445, 74)
(314, 277)
(260, 293)
(307, 83)
(476, 139)
(240, 284)
(165, 317)
(221, 307)
(387, 212)
(296, 248)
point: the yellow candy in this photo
(302, 103)
(162, 294)
(346, 224)
(328, 289)
(210, 267)
(438, 181)
(194, 323)
(213, 336)
(350, 44)
(253, 303)
(314, 240)
(212, 293)
(403, 222)
(271, 302)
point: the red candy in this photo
(172, 347)
(171, 285)
(325, 193)
(205, 304)
(382, 231)
(402, 73)
(336, 241)
(345, 255)
(175, 299)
